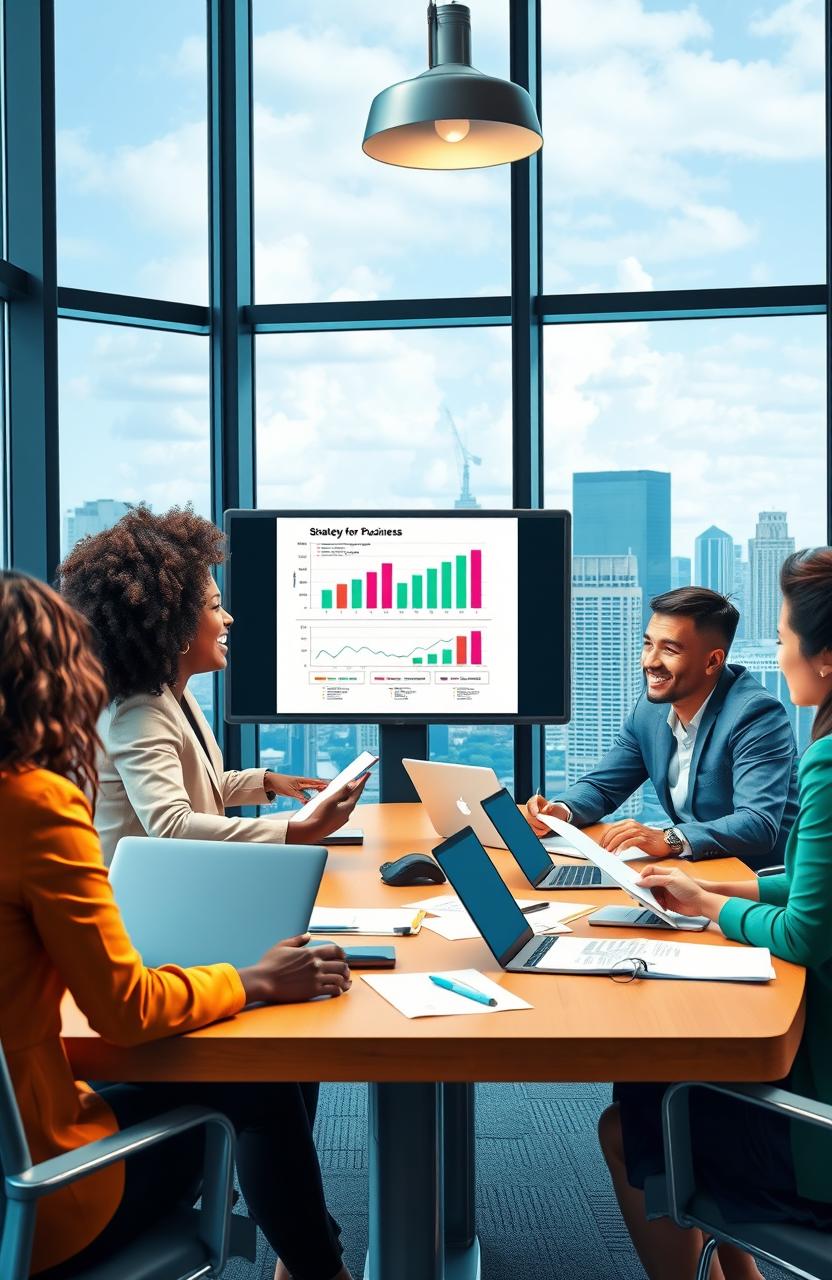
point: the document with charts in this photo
(402, 614)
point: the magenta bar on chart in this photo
(387, 586)
(476, 648)
(476, 580)
(372, 590)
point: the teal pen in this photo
(462, 990)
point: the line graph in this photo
(334, 648)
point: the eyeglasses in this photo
(628, 968)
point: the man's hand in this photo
(292, 971)
(332, 814)
(538, 804)
(675, 890)
(618, 836)
(285, 784)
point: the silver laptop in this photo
(486, 897)
(451, 794)
(206, 901)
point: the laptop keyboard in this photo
(584, 877)
(539, 952)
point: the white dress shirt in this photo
(678, 770)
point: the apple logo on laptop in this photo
(463, 808)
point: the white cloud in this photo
(801, 24)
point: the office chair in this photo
(187, 1244)
(802, 1250)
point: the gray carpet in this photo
(545, 1207)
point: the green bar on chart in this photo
(433, 600)
(432, 659)
(401, 595)
(446, 584)
(447, 656)
(462, 582)
(356, 593)
(326, 599)
(417, 662)
(416, 591)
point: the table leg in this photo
(407, 1196)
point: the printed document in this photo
(664, 959)
(414, 995)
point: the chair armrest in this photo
(218, 1169)
(681, 1181)
(61, 1170)
(777, 870)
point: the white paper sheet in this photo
(359, 765)
(456, 925)
(623, 875)
(414, 995)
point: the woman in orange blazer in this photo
(61, 929)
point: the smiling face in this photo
(807, 686)
(208, 650)
(680, 663)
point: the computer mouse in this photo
(413, 868)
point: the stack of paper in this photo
(379, 921)
(414, 995)
(448, 917)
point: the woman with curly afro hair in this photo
(147, 589)
(62, 930)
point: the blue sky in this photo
(683, 148)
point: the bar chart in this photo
(455, 582)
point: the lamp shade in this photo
(451, 116)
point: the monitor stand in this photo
(395, 743)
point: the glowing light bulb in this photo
(452, 130)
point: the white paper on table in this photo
(455, 926)
(629, 855)
(623, 875)
(380, 921)
(664, 959)
(414, 995)
(359, 765)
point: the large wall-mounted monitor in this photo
(449, 616)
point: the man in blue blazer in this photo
(716, 745)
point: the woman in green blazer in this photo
(757, 1165)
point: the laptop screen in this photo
(484, 894)
(518, 835)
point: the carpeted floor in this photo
(545, 1207)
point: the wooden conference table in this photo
(421, 1111)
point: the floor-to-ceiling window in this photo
(682, 242)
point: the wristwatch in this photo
(673, 840)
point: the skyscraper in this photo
(679, 572)
(741, 595)
(715, 560)
(93, 517)
(606, 673)
(766, 553)
(760, 658)
(620, 513)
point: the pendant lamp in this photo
(451, 116)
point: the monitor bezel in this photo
(400, 717)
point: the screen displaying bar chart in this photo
(377, 616)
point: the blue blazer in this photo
(743, 776)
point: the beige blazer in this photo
(156, 778)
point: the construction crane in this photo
(466, 499)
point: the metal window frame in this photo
(28, 286)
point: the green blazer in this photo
(794, 919)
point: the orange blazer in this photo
(60, 928)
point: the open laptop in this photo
(206, 901)
(487, 899)
(530, 853)
(452, 795)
